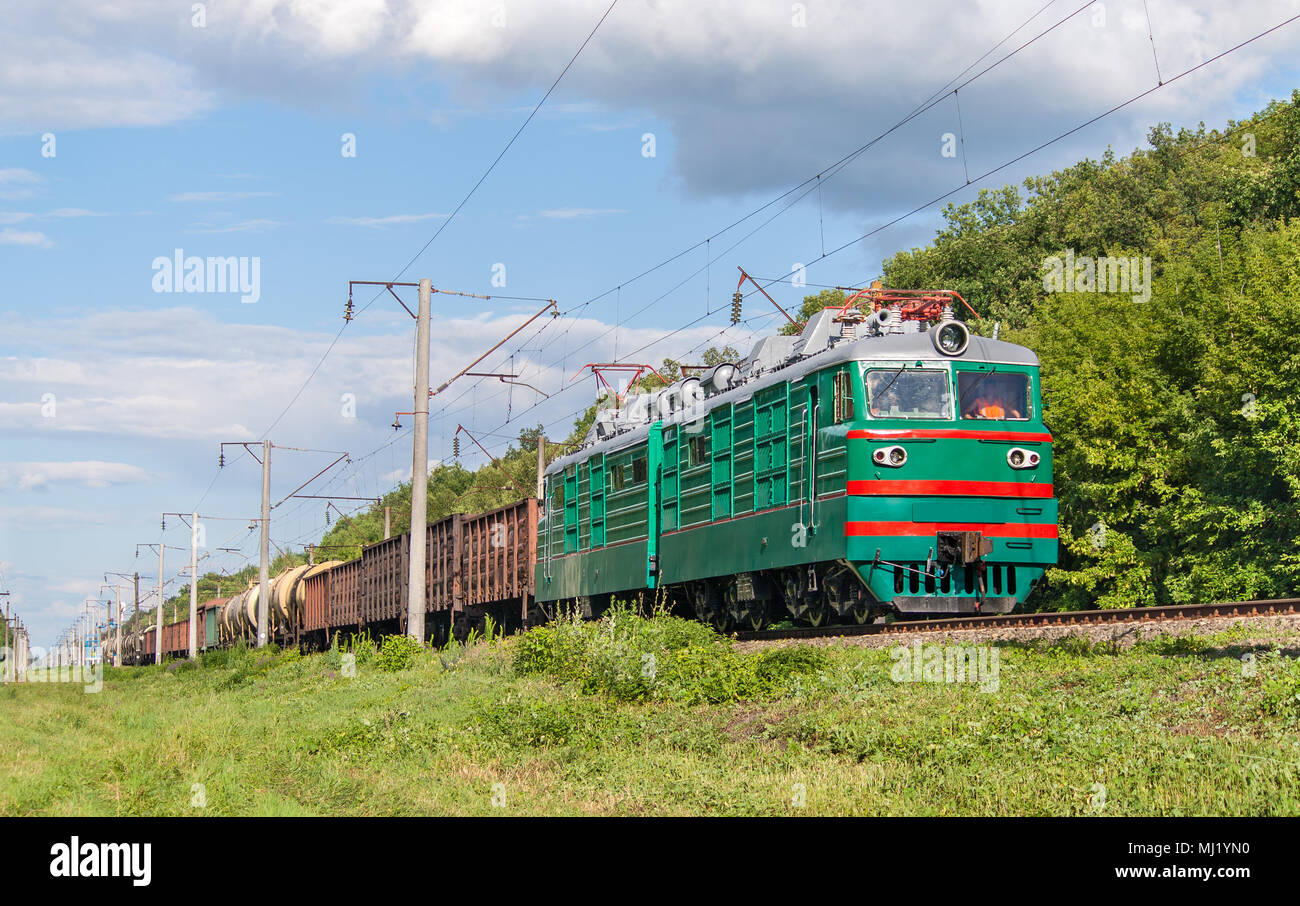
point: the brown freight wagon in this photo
(343, 595)
(383, 585)
(150, 646)
(316, 606)
(482, 563)
(176, 638)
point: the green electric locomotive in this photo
(881, 462)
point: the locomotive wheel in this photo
(747, 614)
(792, 594)
(840, 596)
(709, 608)
(720, 620)
(862, 610)
(819, 610)
(755, 615)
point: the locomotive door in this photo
(801, 433)
(811, 413)
(654, 475)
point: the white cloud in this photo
(76, 587)
(572, 213)
(384, 221)
(216, 197)
(27, 476)
(17, 175)
(748, 101)
(68, 213)
(32, 238)
(257, 225)
(9, 217)
(52, 517)
(64, 68)
(15, 182)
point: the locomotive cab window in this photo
(618, 477)
(900, 393)
(638, 470)
(990, 395)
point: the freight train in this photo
(881, 462)
(477, 565)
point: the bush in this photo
(397, 652)
(632, 657)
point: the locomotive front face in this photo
(950, 502)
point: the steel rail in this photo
(1270, 607)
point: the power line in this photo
(985, 174)
(450, 217)
(815, 181)
(509, 144)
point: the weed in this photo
(398, 652)
(633, 657)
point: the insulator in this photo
(327, 514)
(455, 447)
(347, 309)
(736, 301)
(221, 460)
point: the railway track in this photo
(1274, 607)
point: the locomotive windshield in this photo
(993, 396)
(899, 393)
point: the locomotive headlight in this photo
(950, 337)
(1018, 458)
(893, 457)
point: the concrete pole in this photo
(194, 585)
(388, 522)
(117, 623)
(8, 644)
(263, 577)
(157, 646)
(420, 468)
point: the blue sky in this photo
(226, 140)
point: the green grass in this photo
(577, 719)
